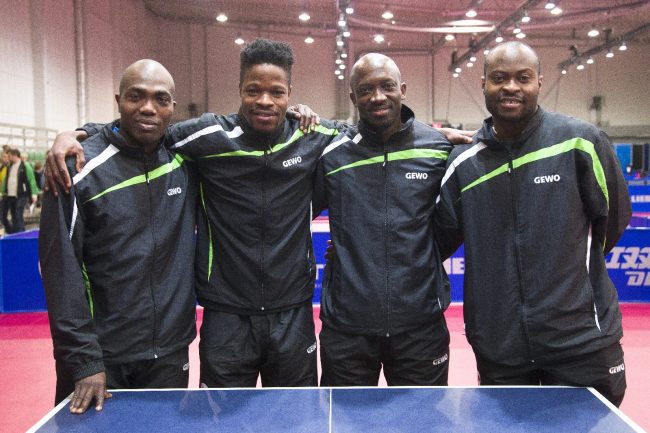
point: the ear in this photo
(289, 93)
(483, 84)
(402, 89)
(117, 98)
(353, 98)
(539, 80)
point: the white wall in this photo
(38, 80)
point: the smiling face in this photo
(511, 85)
(264, 91)
(377, 93)
(145, 103)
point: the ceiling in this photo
(422, 24)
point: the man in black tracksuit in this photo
(255, 264)
(116, 254)
(385, 290)
(538, 199)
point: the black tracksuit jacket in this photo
(537, 217)
(387, 276)
(117, 257)
(255, 255)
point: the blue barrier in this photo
(21, 288)
(628, 265)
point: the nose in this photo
(511, 85)
(148, 106)
(265, 100)
(377, 95)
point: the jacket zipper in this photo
(518, 255)
(153, 258)
(386, 231)
(267, 150)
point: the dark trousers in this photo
(603, 370)
(237, 348)
(16, 207)
(169, 371)
(419, 357)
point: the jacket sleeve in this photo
(185, 137)
(76, 345)
(92, 128)
(31, 179)
(319, 196)
(447, 216)
(605, 193)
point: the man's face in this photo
(146, 106)
(264, 92)
(5, 158)
(378, 94)
(511, 86)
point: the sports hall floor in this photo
(27, 368)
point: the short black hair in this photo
(262, 51)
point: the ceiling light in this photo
(344, 55)
(449, 37)
(486, 51)
(526, 18)
(471, 13)
(349, 10)
(346, 33)
(470, 64)
(339, 41)
(609, 54)
(239, 40)
(458, 70)
(516, 30)
(309, 39)
(580, 67)
(623, 47)
(455, 74)
(222, 18)
(379, 38)
(498, 39)
(590, 60)
(563, 71)
(593, 32)
(338, 61)
(556, 10)
(549, 5)
(304, 17)
(341, 77)
(341, 66)
(472, 59)
(342, 22)
(387, 14)
(337, 72)
(520, 35)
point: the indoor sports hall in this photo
(63, 64)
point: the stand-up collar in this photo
(407, 117)
(258, 137)
(111, 133)
(486, 133)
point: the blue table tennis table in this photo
(329, 410)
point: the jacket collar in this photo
(111, 133)
(407, 117)
(487, 136)
(259, 138)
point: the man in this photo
(18, 188)
(539, 199)
(117, 253)
(385, 290)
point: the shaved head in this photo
(511, 50)
(147, 69)
(370, 62)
